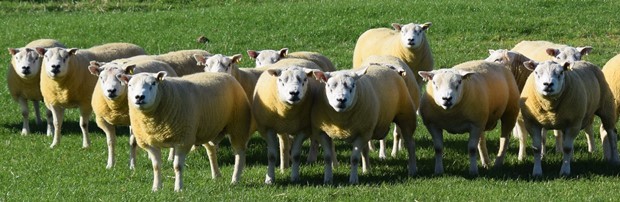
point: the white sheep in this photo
(109, 100)
(281, 105)
(399, 66)
(514, 61)
(545, 50)
(187, 111)
(268, 57)
(566, 97)
(407, 42)
(611, 71)
(66, 81)
(470, 97)
(359, 105)
(23, 80)
(182, 61)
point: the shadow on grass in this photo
(69, 127)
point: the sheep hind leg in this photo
(609, 139)
(407, 137)
(590, 138)
(313, 151)
(558, 140)
(58, 114)
(84, 117)
(133, 145)
(239, 142)
(50, 122)
(483, 151)
(212, 154)
(382, 155)
(23, 104)
(285, 151)
(398, 141)
(520, 132)
(37, 111)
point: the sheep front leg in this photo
(519, 131)
(58, 113)
(569, 137)
(50, 122)
(155, 156)
(609, 139)
(296, 153)
(271, 156)
(84, 117)
(212, 154)
(474, 137)
(437, 135)
(23, 104)
(537, 147)
(110, 133)
(179, 161)
(328, 152)
(356, 152)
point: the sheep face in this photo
(548, 76)
(498, 56)
(267, 57)
(568, 54)
(26, 62)
(447, 85)
(56, 61)
(142, 88)
(340, 87)
(412, 35)
(111, 86)
(221, 63)
(292, 83)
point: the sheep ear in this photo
(491, 51)
(397, 26)
(13, 51)
(236, 58)
(309, 72)
(72, 51)
(41, 51)
(426, 25)
(320, 75)
(283, 52)
(566, 66)
(426, 75)
(530, 64)
(124, 78)
(465, 74)
(253, 54)
(129, 69)
(360, 72)
(274, 72)
(161, 75)
(509, 56)
(200, 59)
(552, 51)
(585, 50)
(94, 68)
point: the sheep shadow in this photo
(69, 127)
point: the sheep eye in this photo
(152, 84)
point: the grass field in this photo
(461, 31)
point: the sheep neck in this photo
(518, 70)
(552, 103)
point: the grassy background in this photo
(461, 31)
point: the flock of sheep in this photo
(186, 98)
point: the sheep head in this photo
(292, 83)
(340, 87)
(142, 88)
(267, 57)
(412, 35)
(447, 85)
(568, 54)
(548, 76)
(218, 62)
(26, 62)
(111, 86)
(56, 60)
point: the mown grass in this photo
(461, 31)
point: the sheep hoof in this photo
(25, 132)
(269, 180)
(382, 157)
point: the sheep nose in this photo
(447, 98)
(26, 68)
(112, 91)
(55, 66)
(547, 84)
(341, 100)
(139, 97)
(294, 93)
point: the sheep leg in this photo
(483, 151)
(370, 146)
(171, 154)
(609, 139)
(313, 151)
(590, 138)
(535, 132)
(50, 122)
(437, 135)
(155, 155)
(328, 152)
(179, 161)
(382, 149)
(474, 137)
(84, 117)
(212, 154)
(110, 134)
(133, 145)
(58, 113)
(398, 143)
(558, 140)
(37, 111)
(569, 137)
(23, 104)
(504, 141)
(365, 160)
(543, 134)
(519, 131)
(356, 151)
(410, 145)
(271, 156)
(296, 153)
(285, 150)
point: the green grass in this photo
(461, 31)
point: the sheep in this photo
(407, 42)
(187, 111)
(66, 81)
(23, 80)
(470, 97)
(400, 66)
(109, 100)
(268, 57)
(566, 97)
(611, 73)
(545, 50)
(358, 105)
(281, 104)
(182, 61)
(514, 62)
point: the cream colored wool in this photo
(268, 57)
